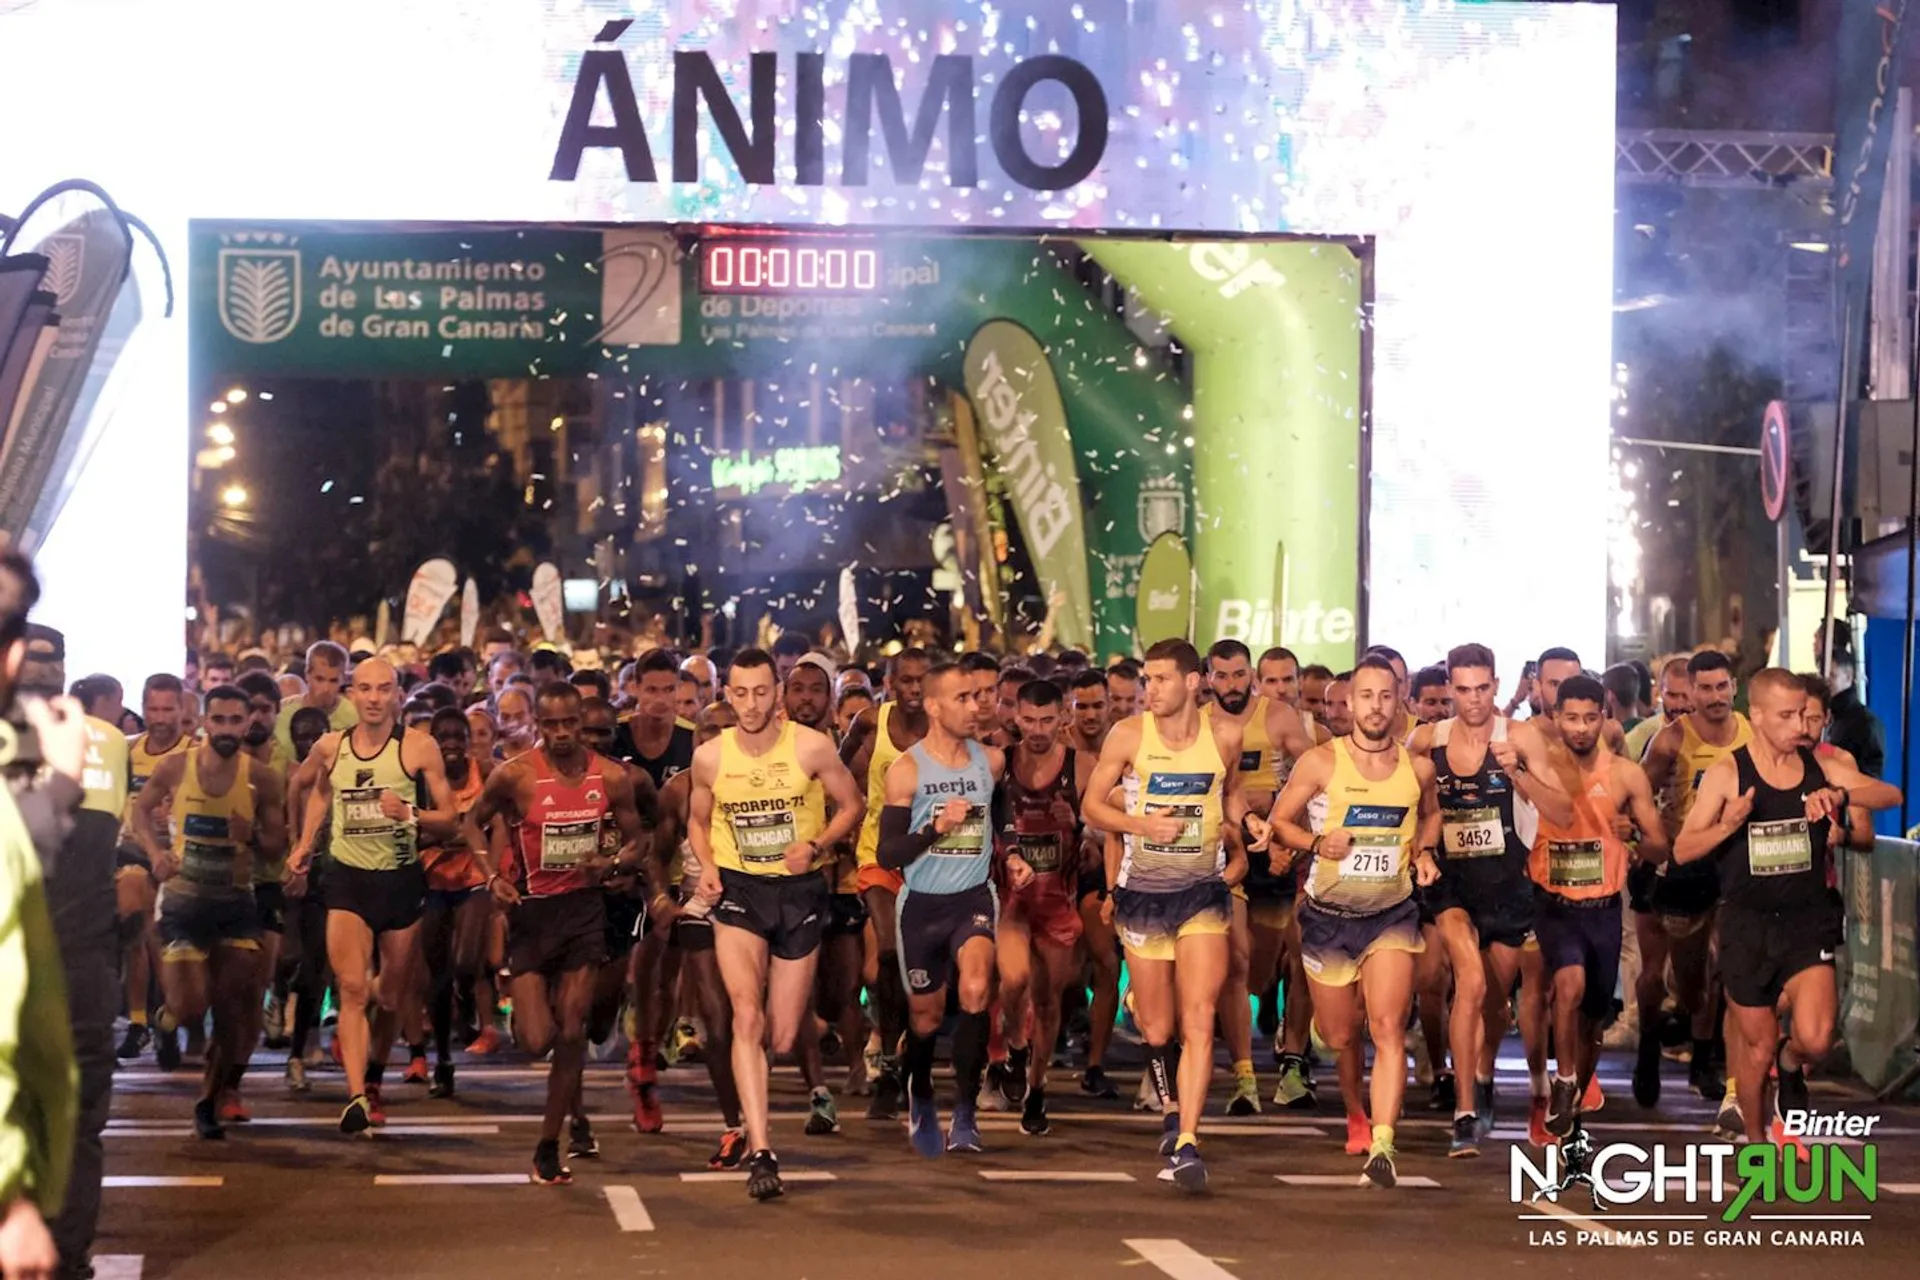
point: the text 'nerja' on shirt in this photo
(561, 830)
(762, 804)
(962, 859)
(363, 835)
(1184, 783)
(1383, 818)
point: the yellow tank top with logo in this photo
(884, 754)
(762, 804)
(1185, 783)
(273, 871)
(141, 763)
(1383, 818)
(1696, 756)
(212, 864)
(1259, 767)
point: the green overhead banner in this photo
(1023, 426)
(1274, 334)
(1164, 606)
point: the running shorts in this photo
(1760, 951)
(1274, 916)
(1685, 891)
(1050, 916)
(388, 901)
(1582, 933)
(932, 927)
(561, 934)
(1149, 924)
(624, 916)
(129, 854)
(1334, 947)
(1093, 880)
(449, 899)
(875, 876)
(190, 928)
(1501, 917)
(790, 912)
(1641, 878)
(846, 916)
(270, 904)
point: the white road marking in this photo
(1347, 1180)
(438, 1130)
(729, 1175)
(628, 1210)
(449, 1179)
(126, 1180)
(1901, 1188)
(1172, 1258)
(1052, 1175)
(116, 1132)
(118, 1266)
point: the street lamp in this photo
(220, 434)
(233, 495)
(237, 396)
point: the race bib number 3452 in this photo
(1473, 833)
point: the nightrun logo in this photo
(604, 83)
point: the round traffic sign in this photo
(1774, 454)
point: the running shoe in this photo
(1245, 1100)
(1646, 1070)
(1094, 1083)
(822, 1117)
(581, 1144)
(1379, 1170)
(1537, 1123)
(1169, 1133)
(1293, 1092)
(1483, 1107)
(1563, 1105)
(355, 1118)
(487, 1042)
(1359, 1133)
(1729, 1122)
(1594, 1098)
(135, 1042)
(1185, 1169)
(1033, 1114)
(166, 1048)
(963, 1134)
(1791, 1093)
(997, 1095)
(1466, 1138)
(923, 1124)
(643, 1084)
(1146, 1097)
(859, 1083)
(376, 1110)
(1444, 1096)
(1777, 1135)
(886, 1091)
(297, 1076)
(274, 1027)
(417, 1071)
(731, 1151)
(683, 1044)
(442, 1086)
(763, 1176)
(547, 1170)
(1706, 1075)
(1019, 1064)
(232, 1109)
(206, 1120)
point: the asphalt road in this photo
(288, 1196)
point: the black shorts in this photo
(388, 901)
(1761, 950)
(129, 854)
(932, 927)
(790, 912)
(624, 915)
(846, 916)
(557, 935)
(1685, 891)
(1502, 915)
(1582, 934)
(1641, 878)
(190, 928)
(1093, 881)
(270, 904)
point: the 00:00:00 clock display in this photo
(754, 268)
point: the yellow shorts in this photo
(1333, 948)
(1150, 924)
(1270, 914)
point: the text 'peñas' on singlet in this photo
(1383, 816)
(1486, 830)
(363, 836)
(1585, 860)
(1185, 783)
(867, 849)
(213, 865)
(762, 804)
(1778, 861)
(962, 859)
(561, 829)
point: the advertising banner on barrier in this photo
(1880, 1009)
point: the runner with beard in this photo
(224, 805)
(135, 889)
(1000, 728)
(269, 884)
(454, 926)
(1095, 708)
(1579, 868)
(1270, 732)
(1123, 690)
(1282, 679)
(877, 739)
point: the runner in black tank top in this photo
(1766, 815)
(677, 757)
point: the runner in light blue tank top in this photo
(963, 858)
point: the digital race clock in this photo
(783, 264)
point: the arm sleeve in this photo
(39, 1084)
(898, 845)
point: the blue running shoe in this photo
(1185, 1169)
(923, 1125)
(964, 1133)
(1169, 1132)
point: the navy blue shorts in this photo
(932, 927)
(1582, 934)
